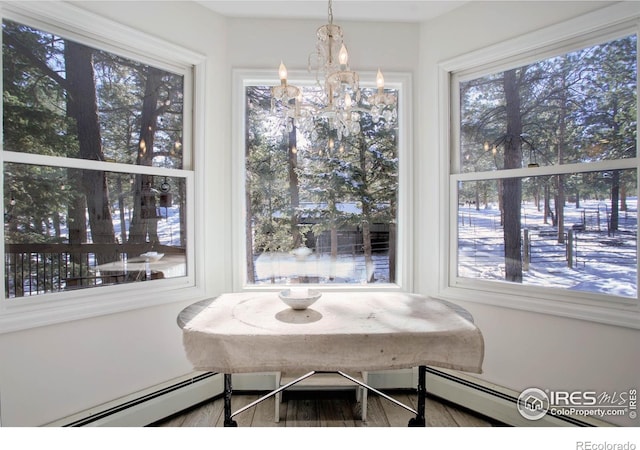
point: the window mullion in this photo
(77, 163)
(597, 166)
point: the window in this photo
(322, 207)
(543, 176)
(97, 160)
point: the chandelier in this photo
(340, 103)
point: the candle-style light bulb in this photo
(282, 71)
(298, 102)
(486, 146)
(343, 57)
(380, 82)
(347, 101)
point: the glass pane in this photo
(321, 204)
(62, 98)
(577, 231)
(578, 107)
(73, 228)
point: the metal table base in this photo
(417, 421)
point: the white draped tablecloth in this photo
(354, 331)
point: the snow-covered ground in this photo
(602, 261)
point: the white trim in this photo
(149, 411)
(78, 163)
(589, 29)
(73, 22)
(607, 23)
(561, 169)
(405, 229)
(240, 79)
(82, 304)
(498, 407)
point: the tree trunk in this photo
(334, 242)
(83, 107)
(121, 208)
(512, 187)
(76, 220)
(562, 132)
(501, 202)
(392, 250)
(547, 202)
(144, 224)
(615, 200)
(560, 201)
(292, 151)
(333, 232)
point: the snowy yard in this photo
(601, 261)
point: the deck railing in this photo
(33, 269)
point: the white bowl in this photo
(299, 298)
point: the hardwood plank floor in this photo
(326, 409)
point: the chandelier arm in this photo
(340, 103)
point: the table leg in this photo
(419, 420)
(228, 422)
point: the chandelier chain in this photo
(330, 12)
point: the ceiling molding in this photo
(343, 10)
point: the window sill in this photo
(381, 287)
(615, 314)
(85, 304)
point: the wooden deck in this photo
(326, 409)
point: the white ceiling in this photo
(343, 10)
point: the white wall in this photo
(523, 349)
(262, 44)
(51, 372)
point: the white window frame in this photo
(590, 29)
(404, 252)
(75, 23)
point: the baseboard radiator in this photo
(492, 401)
(159, 402)
(151, 405)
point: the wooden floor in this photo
(326, 409)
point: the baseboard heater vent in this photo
(147, 407)
(154, 404)
(493, 401)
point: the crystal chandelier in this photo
(340, 103)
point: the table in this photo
(341, 332)
(168, 266)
